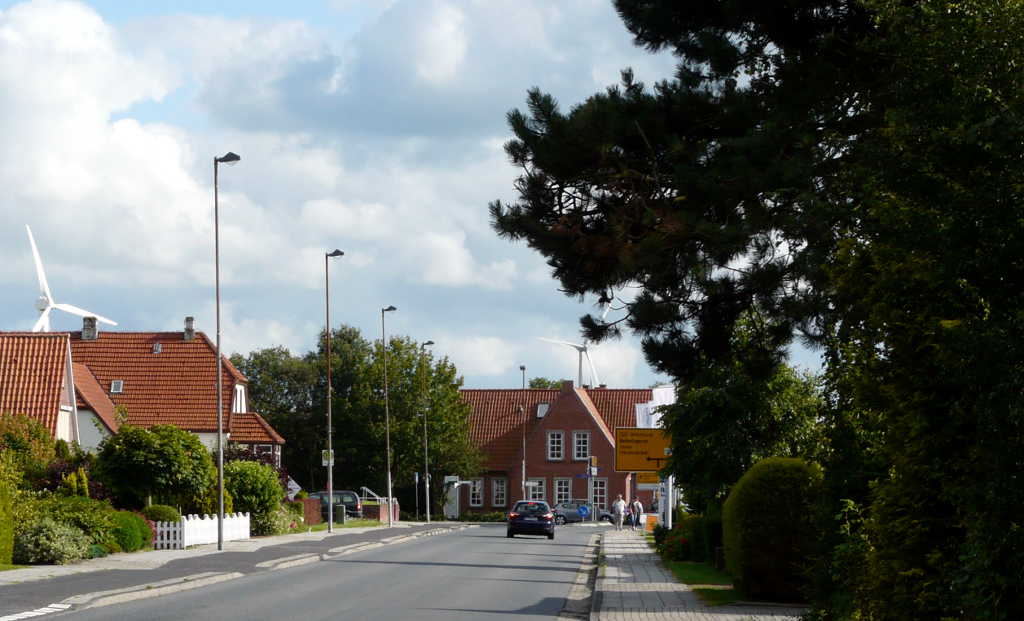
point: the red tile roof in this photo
(92, 397)
(495, 424)
(176, 386)
(32, 371)
(250, 428)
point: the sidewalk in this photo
(44, 589)
(634, 585)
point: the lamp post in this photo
(387, 414)
(522, 410)
(330, 429)
(426, 463)
(228, 159)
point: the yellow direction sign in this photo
(641, 450)
(647, 478)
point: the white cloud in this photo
(486, 355)
(441, 45)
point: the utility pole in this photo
(522, 410)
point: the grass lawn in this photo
(5, 567)
(717, 597)
(712, 586)
(353, 523)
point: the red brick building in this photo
(561, 430)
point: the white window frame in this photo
(499, 492)
(536, 492)
(563, 490)
(476, 492)
(602, 483)
(576, 437)
(558, 455)
(238, 404)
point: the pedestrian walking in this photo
(636, 512)
(618, 511)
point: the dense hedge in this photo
(6, 525)
(131, 532)
(768, 529)
(494, 516)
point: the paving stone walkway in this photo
(634, 585)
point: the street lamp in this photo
(387, 414)
(522, 410)
(330, 429)
(228, 159)
(426, 466)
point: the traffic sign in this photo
(583, 511)
(648, 478)
(641, 449)
(327, 458)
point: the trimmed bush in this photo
(131, 531)
(676, 546)
(494, 516)
(255, 488)
(161, 513)
(206, 502)
(6, 525)
(767, 527)
(49, 542)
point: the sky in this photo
(372, 126)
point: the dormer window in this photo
(238, 405)
(116, 387)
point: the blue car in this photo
(531, 517)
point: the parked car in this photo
(344, 499)
(531, 517)
(572, 511)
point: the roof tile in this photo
(32, 374)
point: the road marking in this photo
(38, 612)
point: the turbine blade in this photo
(81, 312)
(607, 307)
(43, 323)
(44, 287)
(573, 345)
(593, 370)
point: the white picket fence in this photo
(194, 530)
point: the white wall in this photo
(91, 430)
(209, 440)
(64, 430)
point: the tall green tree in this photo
(850, 169)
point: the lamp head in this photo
(388, 309)
(427, 344)
(522, 367)
(227, 158)
(336, 253)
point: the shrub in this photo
(255, 488)
(660, 532)
(161, 513)
(49, 542)
(93, 517)
(767, 527)
(6, 524)
(295, 508)
(676, 546)
(494, 516)
(126, 531)
(301, 495)
(75, 483)
(205, 503)
(28, 441)
(273, 522)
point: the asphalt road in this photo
(472, 574)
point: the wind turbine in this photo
(583, 351)
(45, 303)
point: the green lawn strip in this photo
(690, 572)
(353, 523)
(5, 567)
(716, 596)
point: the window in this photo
(599, 492)
(581, 445)
(563, 490)
(263, 449)
(116, 386)
(476, 493)
(498, 492)
(239, 406)
(555, 445)
(535, 491)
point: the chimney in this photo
(89, 329)
(566, 385)
(190, 330)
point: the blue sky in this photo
(371, 126)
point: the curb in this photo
(154, 589)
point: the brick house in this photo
(158, 377)
(561, 429)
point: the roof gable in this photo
(176, 386)
(32, 372)
(91, 396)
